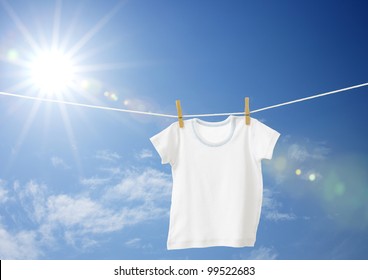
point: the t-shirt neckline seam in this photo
(230, 119)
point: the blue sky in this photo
(79, 183)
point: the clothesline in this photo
(175, 116)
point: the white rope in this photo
(310, 97)
(281, 104)
(86, 105)
(174, 116)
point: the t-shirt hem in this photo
(248, 242)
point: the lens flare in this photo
(298, 172)
(91, 86)
(12, 55)
(111, 95)
(85, 84)
(334, 186)
(339, 189)
(280, 163)
(312, 177)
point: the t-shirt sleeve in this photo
(264, 140)
(166, 143)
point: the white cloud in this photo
(113, 171)
(19, 245)
(2, 183)
(137, 244)
(276, 216)
(83, 214)
(133, 242)
(301, 153)
(263, 253)
(79, 241)
(32, 197)
(148, 185)
(271, 208)
(4, 193)
(297, 152)
(59, 162)
(145, 153)
(107, 155)
(81, 219)
(94, 181)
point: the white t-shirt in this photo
(217, 180)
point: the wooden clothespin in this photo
(180, 113)
(247, 112)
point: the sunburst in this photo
(51, 69)
(52, 72)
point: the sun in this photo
(54, 66)
(52, 72)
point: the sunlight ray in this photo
(101, 67)
(24, 84)
(24, 133)
(72, 23)
(19, 24)
(39, 33)
(92, 52)
(82, 114)
(71, 138)
(18, 62)
(95, 29)
(89, 98)
(56, 25)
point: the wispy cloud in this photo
(271, 208)
(137, 243)
(59, 162)
(332, 183)
(310, 171)
(83, 214)
(133, 242)
(278, 216)
(78, 241)
(300, 152)
(148, 185)
(113, 171)
(3, 194)
(32, 199)
(94, 181)
(145, 153)
(81, 219)
(107, 155)
(263, 253)
(299, 158)
(19, 245)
